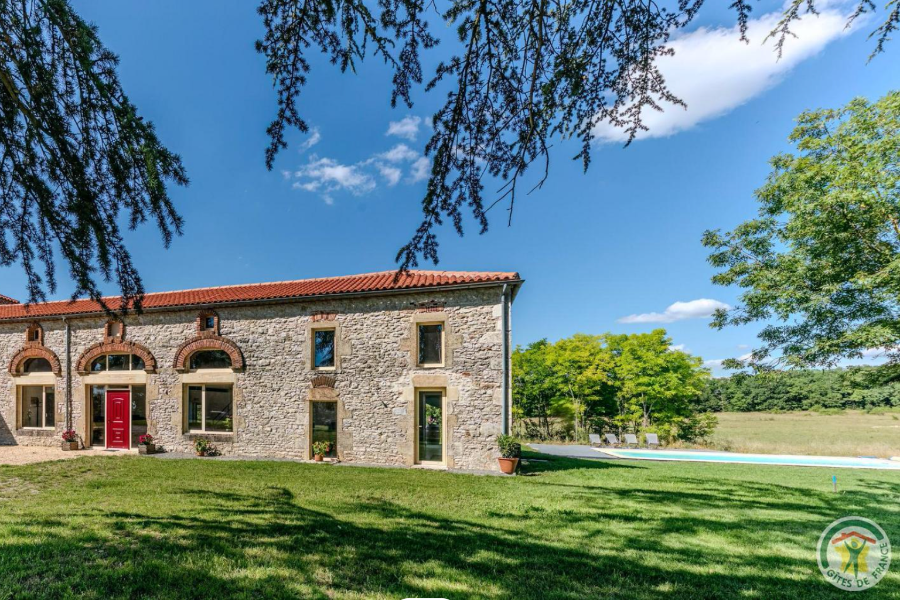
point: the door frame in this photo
(106, 415)
(337, 426)
(428, 390)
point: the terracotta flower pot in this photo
(70, 445)
(508, 465)
(318, 458)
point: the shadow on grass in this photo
(267, 543)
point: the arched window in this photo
(37, 365)
(117, 362)
(210, 359)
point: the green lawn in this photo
(110, 527)
(850, 433)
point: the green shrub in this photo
(509, 447)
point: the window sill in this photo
(215, 436)
(431, 366)
(37, 431)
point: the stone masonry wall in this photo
(375, 379)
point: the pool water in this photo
(847, 462)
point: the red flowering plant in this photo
(145, 440)
(69, 436)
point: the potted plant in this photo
(510, 451)
(70, 440)
(320, 449)
(202, 447)
(146, 445)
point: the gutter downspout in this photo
(68, 380)
(504, 388)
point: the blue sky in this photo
(622, 240)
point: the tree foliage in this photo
(526, 72)
(805, 389)
(821, 262)
(599, 382)
(76, 158)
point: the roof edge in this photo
(517, 282)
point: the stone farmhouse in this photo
(391, 371)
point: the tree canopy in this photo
(600, 382)
(820, 265)
(524, 72)
(74, 154)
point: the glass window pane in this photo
(98, 418)
(430, 337)
(118, 362)
(210, 359)
(324, 341)
(137, 363)
(99, 364)
(138, 412)
(195, 407)
(37, 365)
(49, 407)
(431, 421)
(218, 408)
(324, 422)
(32, 400)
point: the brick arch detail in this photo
(34, 350)
(208, 342)
(115, 347)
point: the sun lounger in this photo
(631, 440)
(595, 439)
(611, 439)
(652, 440)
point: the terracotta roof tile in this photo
(349, 284)
(7, 300)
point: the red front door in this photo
(118, 419)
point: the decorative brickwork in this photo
(208, 341)
(202, 326)
(33, 350)
(430, 307)
(34, 333)
(114, 332)
(323, 316)
(83, 365)
(323, 381)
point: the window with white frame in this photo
(431, 344)
(37, 406)
(210, 408)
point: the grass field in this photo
(851, 433)
(113, 527)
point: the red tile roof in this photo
(349, 284)
(7, 300)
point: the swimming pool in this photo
(842, 462)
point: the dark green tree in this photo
(77, 161)
(526, 72)
(821, 263)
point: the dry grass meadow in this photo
(850, 433)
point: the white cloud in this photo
(329, 175)
(420, 170)
(678, 348)
(399, 153)
(679, 311)
(314, 138)
(714, 72)
(407, 127)
(391, 174)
